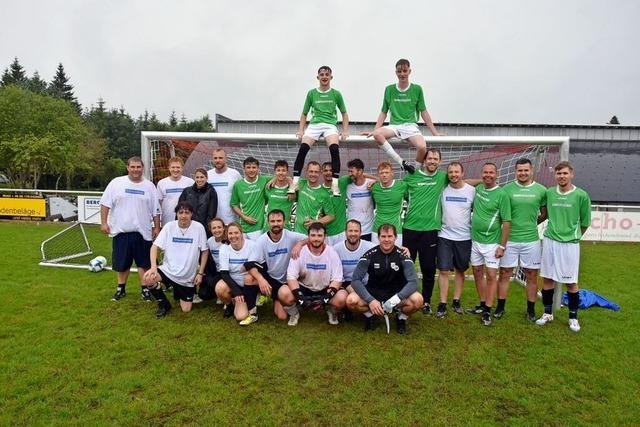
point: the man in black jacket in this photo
(392, 284)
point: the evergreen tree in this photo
(6, 78)
(36, 84)
(60, 87)
(14, 74)
(173, 120)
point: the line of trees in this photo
(48, 140)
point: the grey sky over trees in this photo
(511, 61)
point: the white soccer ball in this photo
(97, 264)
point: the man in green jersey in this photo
(335, 229)
(528, 201)
(569, 210)
(406, 102)
(276, 193)
(490, 225)
(248, 199)
(388, 195)
(314, 203)
(322, 101)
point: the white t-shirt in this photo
(360, 205)
(456, 212)
(169, 192)
(182, 248)
(316, 272)
(233, 261)
(132, 206)
(349, 258)
(223, 184)
(214, 248)
(277, 254)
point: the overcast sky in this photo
(511, 61)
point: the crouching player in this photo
(184, 243)
(314, 279)
(392, 283)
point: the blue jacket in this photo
(590, 298)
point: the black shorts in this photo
(453, 254)
(207, 289)
(129, 247)
(381, 294)
(180, 292)
(310, 293)
(366, 237)
(346, 284)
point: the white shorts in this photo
(484, 254)
(375, 241)
(405, 130)
(320, 130)
(529, 254)
(332, 240)
(253, 235)
(560, 261)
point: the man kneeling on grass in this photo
(392, 284)
(184, 243)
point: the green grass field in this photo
(69, 355)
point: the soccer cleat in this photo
(408, 167)
(546, 318)
(252, 318)
(457, 309)
(475, 310)
(262, 299)
(442, 311)
(531, 317)
(574, 325)
(196, 299)
(146, 295)
(120, 293)
(486, 318)
(335, 191)
(369, 323)
(162, 311)
(292, 188)
(498, 314)
(333, 317)
(426, 309)
(293, 319)
(227, 311)
(401, 326)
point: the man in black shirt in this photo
(392, 284)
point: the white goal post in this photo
(195, 148)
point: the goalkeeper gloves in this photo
(391, 303)
(298, 296)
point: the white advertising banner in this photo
(614, 227)
(89, 209)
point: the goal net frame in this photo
(160, 146)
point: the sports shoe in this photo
(407, 167)
(120, 293)
(426, 309)
(292, 188)
(262, 299)
(333, 317)
(293, 319)
(475, 310)
(146, 295)
(574, 325)
(458, 309)
(442, 311)
(486, 318)
(531, 317)
(498, 314)
(335, 191)
(252, 318)
(369, 323)
(546, 318)
(219, 302)
(162, 311)
(196, 299)
(227, 311)
(401, 326)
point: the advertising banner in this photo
(22, 206)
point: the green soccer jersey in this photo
(389, 203)
(526, 201)
(313, 203)
(424, 193)
(323, 106)
(490, 209)
(406, 105)
(250, 197)
(277, 198)
(567, 213)
(339, 204)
